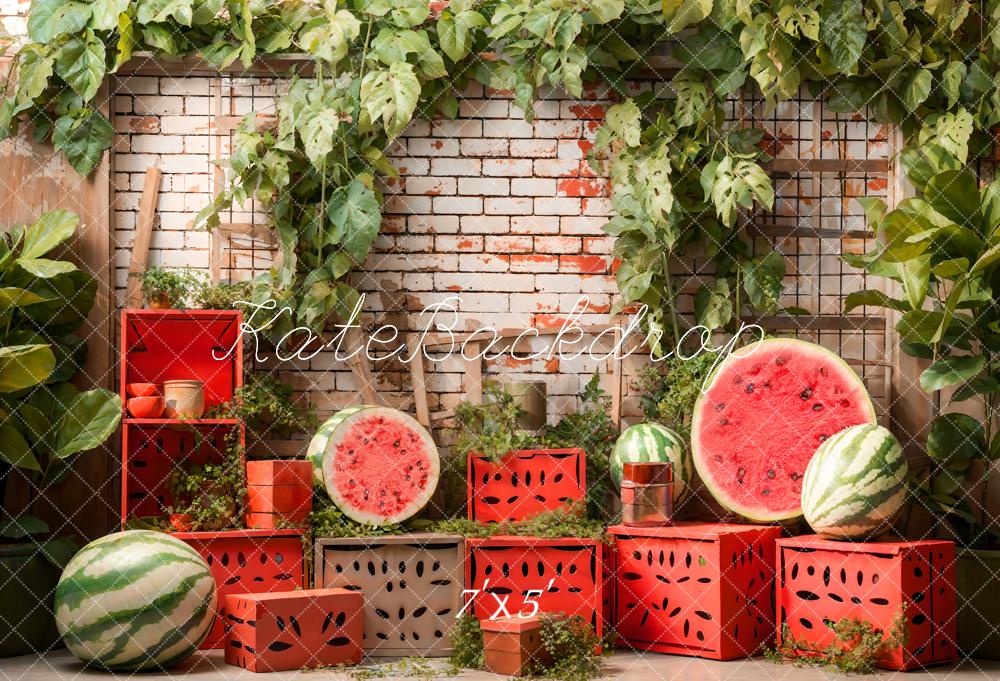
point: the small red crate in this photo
(512, 646)
(697, 589)
(566, 575)
(524, 483)
(825, 581)
(280, 472)
(295, 630)
(249, 561)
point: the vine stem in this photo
(669, 285)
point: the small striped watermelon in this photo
(379, 464)
(653, 442)
(317, 446)
(855, 483)
(135, 600)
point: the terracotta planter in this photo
(27, 586)
(977, 576)
(159, 301)
(513, 645)
(183, 399)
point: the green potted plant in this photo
(45, 422)
(166, 289)
(943, 251)
(209, 496)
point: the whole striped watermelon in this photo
(134, 601)
(317, 446)
(855, 483)
(652, 442)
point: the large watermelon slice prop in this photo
(379, 464)
(134, 601)
(766, 409)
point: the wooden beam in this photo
(227, 124)
(801, 232)
(812, 322)
(360, 367)
(473, 381)
(143, 235)
(254, 230)
(279, 65)
(827, 165)
(417, 376)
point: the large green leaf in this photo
(89, 420)
(625, 121)
(456, 30)
(317, 127)
(45, 268)
(22, 526)
(50, 18)
(713, 307)
(11, 296)
(50, 230)
(14, 449)
(856, 299)
(951, 371)
(355, 214)
(843, 30)
(106, 13)
(916, 279)
(391, 96)
(81, 63)
(83, 137)
(916, 89)
(762, 281)
(955, 438)
(329, 38)
(158, 11)
(22, 366)
(955, 195)
(680, 14)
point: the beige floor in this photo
(59, 666)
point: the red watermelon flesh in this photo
(381, 466)
(766, 410)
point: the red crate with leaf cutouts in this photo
(524, 483)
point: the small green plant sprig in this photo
(490, 429)
(173, 288)
(265, 404)
(568, 521)
(223, 296)
(857, 647)
(328, 521)
(669, 395)
(570, 644)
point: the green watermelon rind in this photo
(717, 493)
(87, 599)
(840, 498)
(345, 424)
(319, 442)
(649, 442)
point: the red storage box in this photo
(296, 630)
(249, 561)
(568, 572)
(279, 493)
(512, 646)
(697, 589)
(524, 483)
(825, 581)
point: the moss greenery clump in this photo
(568, 521)
(223, 296)
(211, 496)
(857, 647)
(265, 404)
(570, 645)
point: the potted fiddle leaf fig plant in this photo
(943, 249)
(45, 422)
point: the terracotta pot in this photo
(184, 399)
(977, 574)
(159, 301)
(181, 522)
(142, 389)
(27, 585)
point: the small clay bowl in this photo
(146, 407)
(142, 389)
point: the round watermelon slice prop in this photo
(765, 411)
(379, 464)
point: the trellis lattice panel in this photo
(248, 561)
(822, 582)
(412, 585)
(564, 575)
(697, 589)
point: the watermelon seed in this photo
(806, 393)
(717, 458)
(740, 472)
(817, 407)
(779, 360)
(794, 476)
(749, 387)
(821, 437)
(738, 380)
(723, 422)
(771, 473)
(719, 406)
(764, 492)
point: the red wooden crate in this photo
(279, 493)
(249, 561)
(295, 630)
(524, 483)
(153, 449)
(568, 571)
(280, 472)
(697, 589)
(164, 345)
(825, 581)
